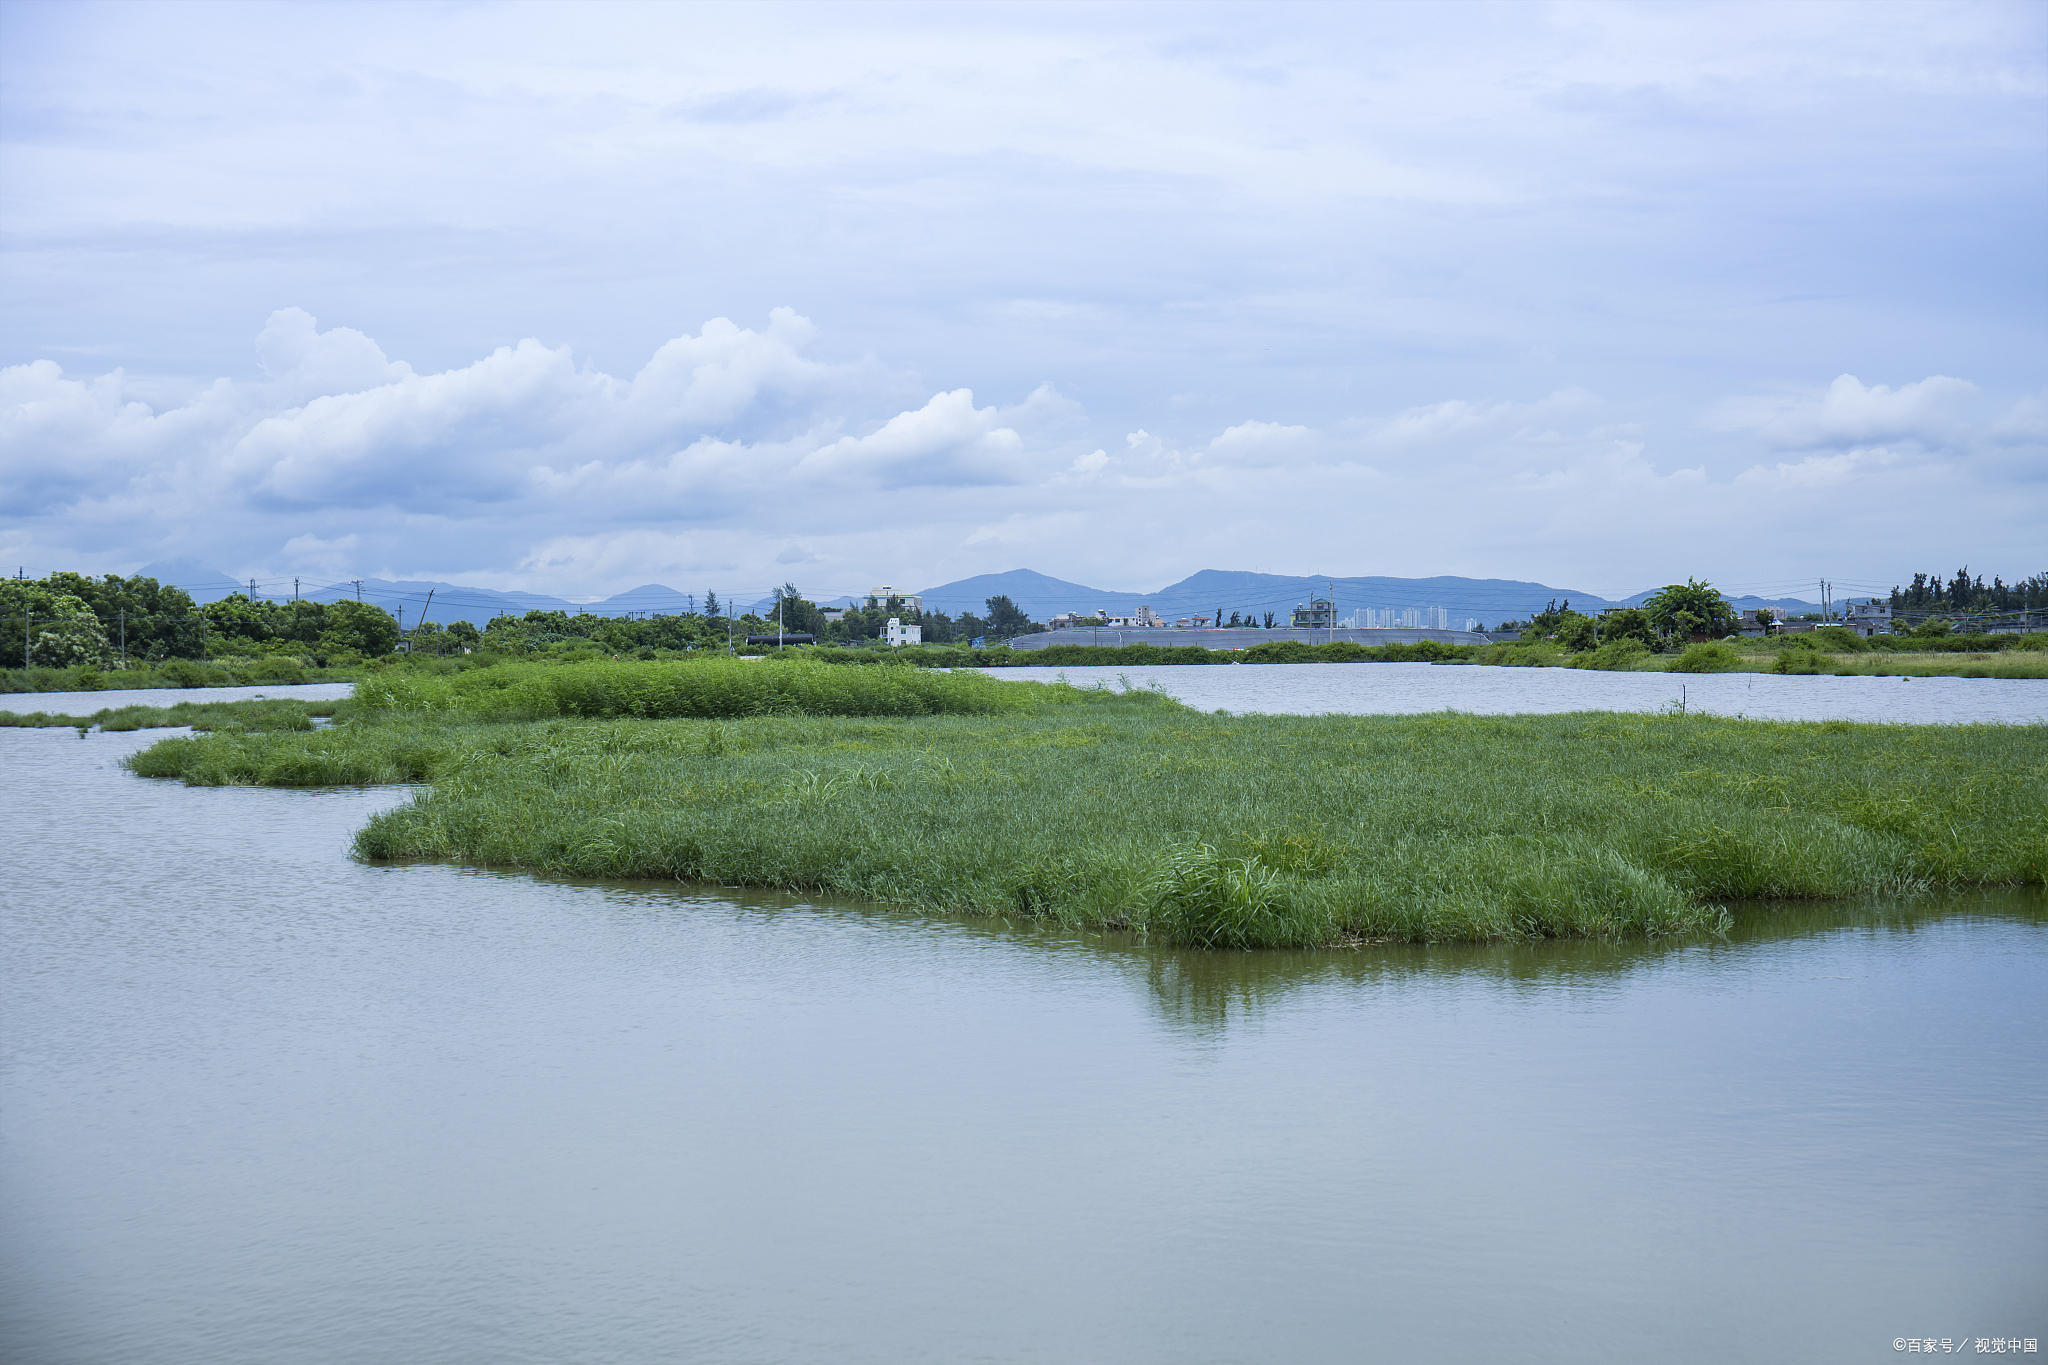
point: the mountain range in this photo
(1491, 600)
(1040, 596)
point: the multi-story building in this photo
(1320, 613)
(1868, 616)
(878, 600)
(896, 633)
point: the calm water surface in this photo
(87, 703)
(268, 1105)
(1311, 689)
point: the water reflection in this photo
(1202, 995)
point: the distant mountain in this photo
(1490, 600)
(649, 599)
(1039, 595)
(202, 583)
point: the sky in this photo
(570, 298)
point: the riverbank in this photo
(1127, 811)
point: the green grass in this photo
(2001, 665)
(1131, 812)
(701, 689)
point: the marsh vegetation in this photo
(1127, 811)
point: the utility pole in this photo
(423, 613)
(728, 632)
(359, 588)
(124, 637)
(295, 590)
(252, 590)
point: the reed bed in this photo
(718, 688)
(1131, 812)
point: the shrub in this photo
(1712, 657)
(1617, 655)
(1840, 639)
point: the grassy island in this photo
(1126, 810)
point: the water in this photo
(88, 703)
(268, 1105)
(1310, 689)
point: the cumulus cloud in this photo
(1931, 413)
(725, 419)
(736, 457)
(948, 440)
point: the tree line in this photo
(1964, 595)
(71, 620)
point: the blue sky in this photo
(571, 298)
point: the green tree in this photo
(67, 635)
(1629, 623)
(799, 617)
(237, 620)
(1576, 631)
(1544, 623)
(1006, 619)
(1691, 610)
(368, 630)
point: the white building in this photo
(878, 599)
(1404, 618)
(896, 633)
(1868, 616)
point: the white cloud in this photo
(947, 441)
(1472, 285)
(735, 457)
(1930, 413)
(1258, 445)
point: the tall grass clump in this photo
(716, 688)
(1205, 900)
(1617, 656)
(1712, 656)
